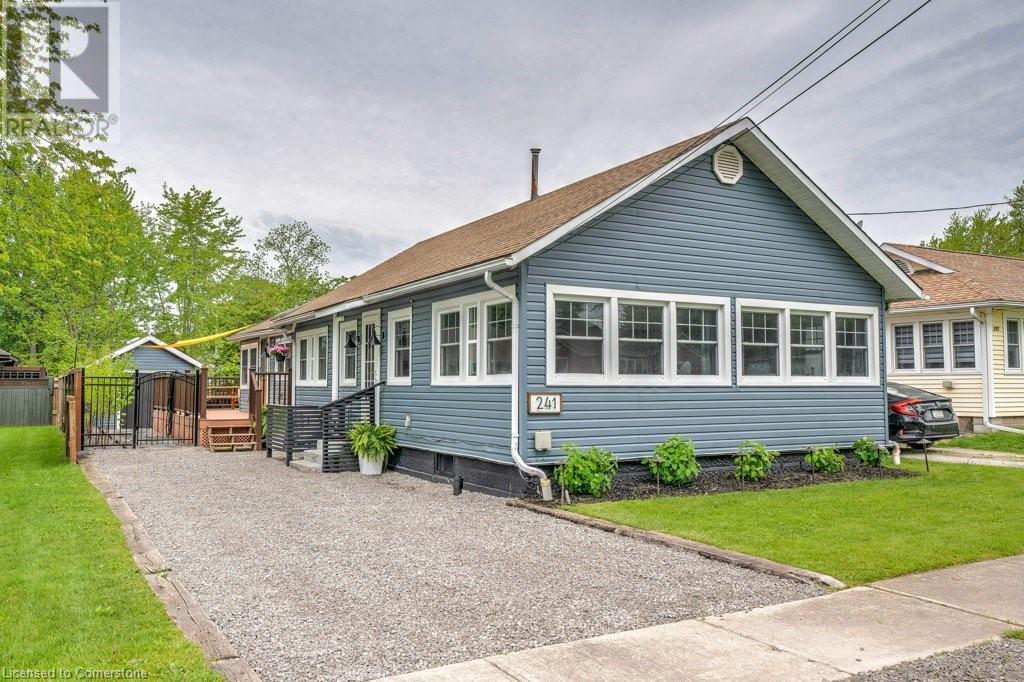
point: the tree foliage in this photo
(987, 231)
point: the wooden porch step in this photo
(232, 437)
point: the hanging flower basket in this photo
(279, 351)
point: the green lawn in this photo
(998, 441)
(857, 532)
(70, 595)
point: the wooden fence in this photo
(24, 396)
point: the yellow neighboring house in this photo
(964, 341)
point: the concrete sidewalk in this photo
(823, 638)
(970, 456)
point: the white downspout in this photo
(987, 376)
(545, 482)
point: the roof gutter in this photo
(988, 374)
(545, 482)
(439, 280)
(958, 306)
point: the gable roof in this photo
(150, 339)
(961, 278)
(505, 238)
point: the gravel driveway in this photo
(342, 576)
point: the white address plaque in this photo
(544, 403)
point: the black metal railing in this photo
(338, 417)
(295, 428)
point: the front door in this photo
(371, 348)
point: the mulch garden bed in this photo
(638, 484)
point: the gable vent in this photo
(728, 165)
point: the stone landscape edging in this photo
(754, 563)
(181, 606)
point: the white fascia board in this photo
(931, 265)
(544, 242)
(955, 306)
(438, 280)
(781, 170)
(263, 333)
(156, 342)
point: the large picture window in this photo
(802, 344)
(472, 340)
(623, 338)
(936, 346)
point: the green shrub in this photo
(586, 471)
(753, 461)
(826, 460)
(372, 442)
(674, 461)
(868, 451)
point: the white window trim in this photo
(947, 347)
(343, 328)
(462, 304)
(243, 378)
(312, 336)
(784, 309)
(1006, 343)
(610, 360)
(395, 316)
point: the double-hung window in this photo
(400, 342)
(933, 345)
(641, 339)
(472, 340)
(348, 340)
(851, 346)
(807, 344)
(499, 339)
(963, 345)
(1013, 344)
(760, 343)
(579, 337)
(311, 357)
(802, 344)
(635, 338)
(904, 353)
(696, 341)
(249, 360)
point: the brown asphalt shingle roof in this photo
(498, 235)
(976, 278)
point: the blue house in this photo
(709, 289)
(150, 354)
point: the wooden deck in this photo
(224, 429)
(226, 417)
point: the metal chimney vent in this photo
(728, 165)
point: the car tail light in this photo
(905, 407)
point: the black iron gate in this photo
(144, 407)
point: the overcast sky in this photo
(382, 123)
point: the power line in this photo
(932, 210)
(860, 20)
(845, 61)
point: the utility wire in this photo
(860, 19)
(845, 61)
(932, 210)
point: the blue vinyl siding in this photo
(689, 233)
(313, 395)
(159, 360)
(462, 420)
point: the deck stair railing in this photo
(338, 417)
(222, 393)
(294, 428)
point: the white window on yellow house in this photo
(1013, 344)
(963, 344)
(934, 345)
(903, 347)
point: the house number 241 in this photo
(545, 403)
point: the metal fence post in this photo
(135, 411)
(196, 409)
